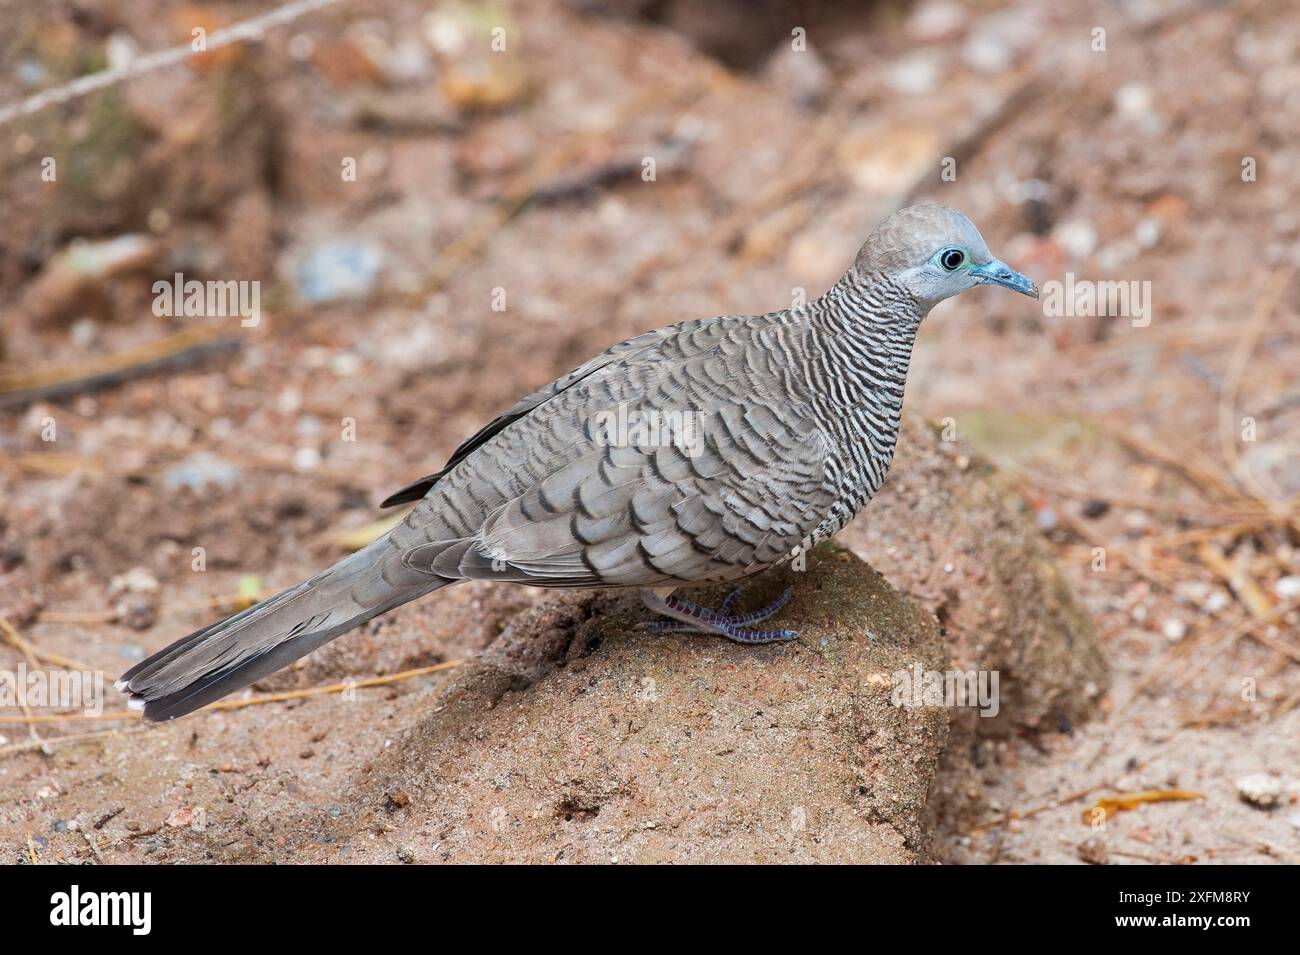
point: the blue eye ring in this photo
(952, 259)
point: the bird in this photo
(703, 452)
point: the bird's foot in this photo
(689, 617)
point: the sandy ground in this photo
(1170, 445)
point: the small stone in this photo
(913, 75)
(84, 332)
(1092, 851)
(1147, 233)
(1260, 789)
(1133, 100)
(1077, 238)
(1045, 519)
(1173, 629)
(405, 854)
(987, 52)
(936, 20)
(1216, 601)
(1095, 508)
(306, 459)
(137, 612)
(120, 51)
(1287, 587)
(137, 580)
(180, 819)
(200, 471)
(339, 270)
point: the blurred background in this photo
(448, 204)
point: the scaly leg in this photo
(692, 618)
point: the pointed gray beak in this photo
(999, 273)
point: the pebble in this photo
(120, 51)
(306, 459)
(936, 19)
(136, 611)
(1147, 233)
(913, 75)
(1173, 629)
(1260, 789)
(338, 270)
(1093, 851)
(137, 580)
(1045, 519)
(31, 72)
(1078, 238)
(1287, 587)
(180, 819)
(201, 470)
(84, 332)
(1095, 508)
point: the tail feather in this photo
(244, 647)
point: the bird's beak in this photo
(999, 273)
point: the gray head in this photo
(936, 253)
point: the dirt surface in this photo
(1171, 446)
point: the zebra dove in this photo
(703, 452)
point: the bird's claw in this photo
(689, 617)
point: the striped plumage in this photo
(759, 435)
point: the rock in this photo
(1260, 789)
(74, 280)
(202, 470)
(137, 612)
(339, 270)
(579, 738)
(946, 530)
(137, 580)
(575, 737)
(1093, 851)
(914, 75)
(180, 818)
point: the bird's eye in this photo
(951, 259)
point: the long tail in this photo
(230, 654)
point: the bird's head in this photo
(935, 253)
